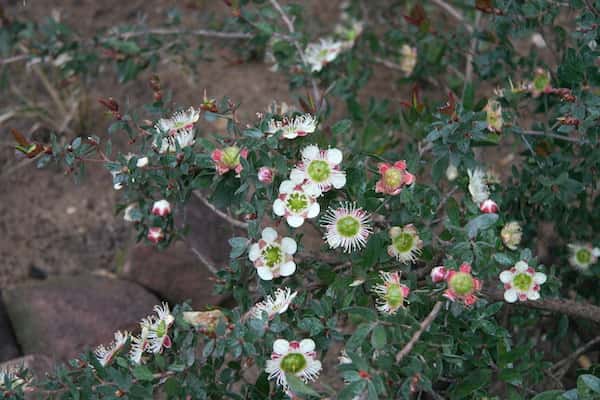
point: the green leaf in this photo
(549, 395)
(352, 390)
(503, 259)
(143, 373)
(379, 337)
(358, 337)
(238, 246)
(367, 313)
(479, 223)
(341, 126)
(299, 387)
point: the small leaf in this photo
(379, 337)
(341, 126)
(142, 373)
(479, 223)
(299, 387)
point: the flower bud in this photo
(439, 274)
(161, 208)
(203, 320)
(511, 235)
(155, 234)
(451, 172)
(489, 206)
(265, 175)
(142, 162)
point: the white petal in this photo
(295, 221)
(533, 294)
(334, 241)
(310, 152)
(334, 156)
(287, 268)
(539, 278)
(269, 235)
(521, 266)
(286, 187)
(281, 346)
(297, 176)
(312, 190)
(279, 207)
(596, 252)
(289, 245)
(307, 345)
(506, 277)
(510, 295)
(254, 252)
(313, 210)
(338, 180)
(264, 273)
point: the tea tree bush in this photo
(432, 206)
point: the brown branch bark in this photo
(417, 335)
(571, 308)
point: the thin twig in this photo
(454, 13)
(417, 335)
(552, 135)
(205, 261)
(220, 213)
(50, 89)
(472, 49)
(591, 7)
(290, 26)
(14, 59)
(561, 367)
(196, 32)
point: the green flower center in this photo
(272, 255)
(161, 329)
(319, 170)
(462, 283)
(231, 156)
(540, 82)
(522, 282)
(348, 226)
(394, 296)
(392, 177)
(297, 202)
(583, 256)
(323, 53)
(293, 363)
(403, 243)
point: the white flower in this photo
(141, 162)
(139, 344)
(409, 59)
(297, 358)
(319, 170)
(478, 186)
(320, 54)
(295, 204)
(406, 244)
(347, 227)
(158, 333)
(178, 129)
(161, 208)
(343, 358)
(119, 179)
(132, 213)
(582, 256)
(521, 282)
(105, 355)
(538, 40)
(391, 293)
(300, 125)
(276, 304)
(273, 257)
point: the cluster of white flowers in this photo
(106, 355)
(178, 130)
(154, 334)
(293, 127)
(480, 192)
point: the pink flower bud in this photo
(155, 234)
(265, 175)
(162, 208)
(488, 206)
(439, 274)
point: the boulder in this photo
(8, 344)
(175, 274)
(63, 316)
(37, 364)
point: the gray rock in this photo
(175, 274)
(37, 364)
(62, 316)
(8, 344)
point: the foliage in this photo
(544, 118)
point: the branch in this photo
(197, 32)
(417, 335)
(454, 13)
(552, 135)
(220, 213)
(561, 367)
(562, 306)
(591, 7)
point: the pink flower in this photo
(161, 208)
(155, 234)
(438, 274)
(265, 175)
(488, 206)
(393, 178)
(462, 286)
(228, 159)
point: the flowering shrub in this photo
(428, 282)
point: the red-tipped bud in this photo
(489, 206)
(265, 175)
(161, 208)
(155, 234)
(439, 274)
